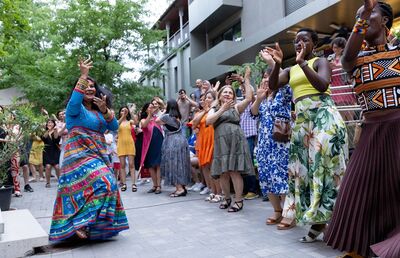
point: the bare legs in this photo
(48, 173)
(122, 173)
(156, 178)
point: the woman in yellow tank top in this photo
(126, 147)
(318, 147)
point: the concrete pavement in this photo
(161, 226)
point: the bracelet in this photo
(82, 84)
(302, 65)
(108, 116)
(361, 26)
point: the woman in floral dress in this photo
(272, 156)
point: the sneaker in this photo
(147, 181)
(193, 187)
(32, 180)
(198, 187)
(140, 182)
(251, 196)
(17, 194)
(28, 188)
(41, 179)
(205, 191)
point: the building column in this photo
(168, 28)
(181, 23)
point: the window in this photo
(233, 33)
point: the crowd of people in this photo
(284, 139)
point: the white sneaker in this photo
(139, 182)
(217, 198)
(205, 191)
(195, 185)
(198, 187)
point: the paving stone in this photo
(162, 226)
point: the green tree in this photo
(44, 65)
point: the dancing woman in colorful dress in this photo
(366, 218)
(88, 203)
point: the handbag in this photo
(282, 130)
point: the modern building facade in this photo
(223, 33)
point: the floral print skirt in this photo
(317, 161)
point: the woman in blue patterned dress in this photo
(88, 203)
(272, 156)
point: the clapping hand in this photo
(276, 54)
(301, 55)
(267, 57)
(101, 103)
(369, 5)
(85, 66)
(263, 89)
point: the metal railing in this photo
(344, 97)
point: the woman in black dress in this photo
(51, 152)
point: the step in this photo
(22, 232)
(1, 224)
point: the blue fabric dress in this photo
(272, 156)
(87, 195)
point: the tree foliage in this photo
(44, 64)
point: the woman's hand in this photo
(301, 55)
(150, 112)
(369, 5)
(101, 103)
(85, 66)
(262, 90)
(267, 57)
(276, 54)
(247, 73)
(227, 105)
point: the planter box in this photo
(22, 232)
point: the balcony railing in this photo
(293, 5)
(344, 97)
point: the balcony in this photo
(206, 66)
(209, 13)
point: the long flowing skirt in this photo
(87, 193)
(175, 159)
(318, 156)
(367, 210)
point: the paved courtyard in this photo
(162, 226)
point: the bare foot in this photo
(81, 233)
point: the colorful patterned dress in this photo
(272, 156)
(87, 193)
(318, 153)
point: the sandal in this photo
(236, 207)
(225, 203)
(176, 194)
(123, 187)
(152, 190)
(210, 197)
(274, 220)
(283, 225)
(158, 190)
(134, 188)
(217, 198)
(313, 233)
